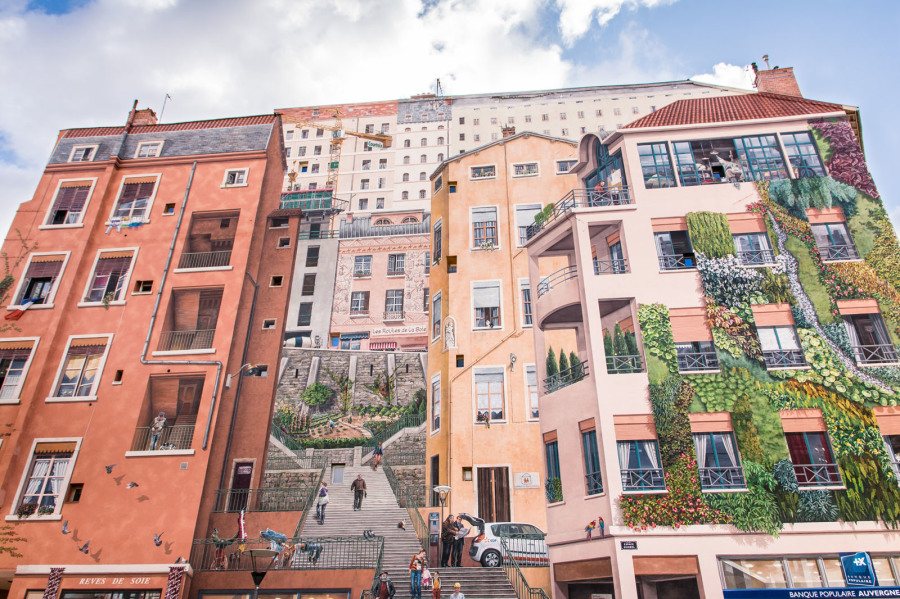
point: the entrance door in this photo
(493, 494)
(337, 474)
(435, 479)
(240, 486)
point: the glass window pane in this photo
(804, 573)
(883, 571)
(834, 572)
(754, 574)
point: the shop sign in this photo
(858, 570)
(628, 545)
(413, 329)
(829, 593)
(526, 480)
(113, 581)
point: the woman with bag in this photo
(321, 502)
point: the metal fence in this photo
(204, 259)
(310, 500)
(722, 478)
(564, 378)
(643, 479)
(623, 364)
(557, 278)
(582, 198)
(675, 262)
(884, 353)
(186, 340)
(616, 266)
(284, 499)
(697, 361)
(513, 571)
(298, 553)
(839, 252)
(817, 475)
(756, 257)
(784, 358)
(172, 437)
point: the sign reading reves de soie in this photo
(829, 593)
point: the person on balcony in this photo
(359, 491)
(313, 549)
(156, 430)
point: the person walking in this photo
(379, 455)
(359, 491)
(457, 592)
(459, 542)
(321, 502)
(435, 586)
(416, 565)
(448, 536)
(383, 587)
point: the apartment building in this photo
(728, 428)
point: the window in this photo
(551, 455)
(422, 176)
(406, 143)
(635, 110)
(598, 112)
(366, 165)
(440, 157)
(493, 120)
(581, 114)
(870, 339)
(40, 281)
(312, 256)
(781, 347)
(656, 166)
(436, 403)
(564, 132)
(268, 324)
(545, 117)
(404, 195)
(674, 250)
(813, 460)
(423, 158)
(396, 264)
(379, 203)
(370, 128)
(423, 142)
(564, 166)
(381, 181)
(148, 149)
(437, 242)
(406, 160)
(527, 169)
(696, 356)
(438, 183)
(422, 194)
(15, 358)
(276, 281)
(309, 285)
(718, 461)
(483, 172)
(314, 169)
(304, 134)
(525, 290)
(287, 152)
(83, 153)
(436, 316)
(68, 206)
(169, 209)
(562, 116)
(317, 151)
(527, 118)
(359, 303)
(405, 177)
(142, 287)
(364, 184)
(484, 227)
(363, 203)
(531, 391)
(110, 276)
(753, 249)
(440, 141)
(593, 478)
(382, 222)
(761, 157)
(891, 445)
(495, 136)
(382, 164)
(476, 137)
(278, 223)
(289, 135)
(462, 120)
(486, 301)
(617, 111)
(639, 461)
(834, 242)
(385, 127)
(135, 198)
(362, 266)
(462, 137)
(81, 365)
(393, 304)
(46, 478)
(304, 318)
(320, 132)
(489, 399)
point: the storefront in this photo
(111, 582)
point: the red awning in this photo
(382, 345)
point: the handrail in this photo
(613, 266)
(557, 278)
(307, 235)
(283, 499)
(642, 479)
(697, 361)
(392, 315)
(756, 257)
(516, 578)
(722, 477)
(186, 340)
(177, 436)
(581, 198)
(817, 475)
(675, 262)
(784, 358)
(380, 434)
(566, 377)
(839, 251)
(310, 500)
(623, 364)
(204, 259)
(327, 553)
(882, 353)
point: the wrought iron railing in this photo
(510, 565)
(722, 478)
(392, 315)
(397, 272)
(675, 262)
(285, 499)
(817, 475)
(307, 235)
(557, 278)
(594, 483)
(566, 377)
(884, 353)
(186, 340)
(784, 358)
(756, 257)
(178, 436)
(839, 252)
(697, 361)
(643, 479)
(318, 553)
(582, 198)
(616, 266)
(623, 364)
(205, 259)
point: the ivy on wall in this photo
(710, 234)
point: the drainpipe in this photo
(165, 274)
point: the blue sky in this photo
(72, 63)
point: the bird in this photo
(156, 539)
(131, 485)
(84, 548)
(65, 529)
(180, 560)
(109, 468)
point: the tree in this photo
(563, 362)
(316, 394)
(552, 366)
(344, 390)
(384, 387)
(575, 364)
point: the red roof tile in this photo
(244, 121)
(726, 109)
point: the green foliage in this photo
(563, 361)
(809, 278)
(862, 231)
(796, 195)
(745, 430)
(817, 506)
(9, 540)
(869, 495)
(575, 365)
(344, 390)
(777, 287)
(384, 387)
(316, 394)
(787, 491)
(552, 365)
(757, 509)
(670, 401)
(545, 214)
(337, 443)
(553, 489)
(657, 334)
(822, 143)
(657, 370)
(710, 234)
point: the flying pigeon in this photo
(84, 548)
(156, 539)
(109, 468)
(65, 529)
(131, 485)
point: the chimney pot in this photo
(778, 81)
(508, 131)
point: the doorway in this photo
(240, 486)
(493, 494)
(337, 474)
(667, 587)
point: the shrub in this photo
(552, 364)
(745, 430)
(757, 509)
(731, 284)
(316, 394)
(563, 362)
(796, 195)
(817, 506)
(657, 333)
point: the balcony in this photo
(204, 259)
(307, 235)
(396, 272)
(582, 198)
(557, 278)
(817, 475)
(697, 361)
(594, 483)
(643, 479)
(835, 253)
(617, 266)
(784, 358)
(676, 262)
(722, 478)
(884, 353)
(284, 499)
(756, 257)
(318, 200)
(324, 553)
(393, 316)
(186, 340)
(362, 273)
(623, 364)
(567, 377)
(177, 436)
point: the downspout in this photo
(162, 283)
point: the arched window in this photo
(421, 194)
(441, 157)
(406, 160)
(382, 222)
(410, 219)
(424, 128)
(422, 176)
(440, 141)
(407, 130)
(440, 127)
(405, 195)
(424, 141)
(406, 176)
(405, 143)
(423, 158)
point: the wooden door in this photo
(493, 494)
(240, 486)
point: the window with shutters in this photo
(304, 319)
(484, 227)
(15, 359)
(109, 279)
(489, 394)
(149, 149)
(70, 202)
(135, 198)
(81, 367)
(83, 153)
(38, 285)
(486, 303)
(190, 323)
(525, 214)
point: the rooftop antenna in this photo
(766, 58)
(163, 109)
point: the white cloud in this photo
(728, 74)
(577, 16)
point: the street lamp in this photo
(268, 557)
(443, 492)
(248, 369)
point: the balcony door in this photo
(240, 486)
(493, 494)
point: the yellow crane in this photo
(338, 134)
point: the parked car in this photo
(525, 542)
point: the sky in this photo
(81, 63)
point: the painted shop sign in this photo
(407, 330)
(526, 480)
(831, 593)
(858, 569)
(127, 580)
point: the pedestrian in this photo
(448, 536)
(459, 542)
(379, 455)
(359, 491)
(457, 592)
(156, 430)
(435, 586)
(321, 502)
(313, 549)
(416, 565)
(383, 587)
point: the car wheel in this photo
(490, 559)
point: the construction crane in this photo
(337, 139)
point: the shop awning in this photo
(383, 345)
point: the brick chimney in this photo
(508, 131)
(145, 116)
(779, 80)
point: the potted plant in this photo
(45, 510)
(25, 510)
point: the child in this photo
(435, 586)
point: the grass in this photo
(657, 370)
(823, 144)
(863, 236)
(809, 278)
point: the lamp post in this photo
(268, 557)
(443, 492)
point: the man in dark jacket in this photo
(448, 536)
(382, 587)
(359, 491)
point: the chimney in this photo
(145, 116)
(508, 131)
(777, 81)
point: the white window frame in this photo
(245, 170)
(150, 202)
(87, 202)
(524, 283)
(472, 176)
(273, 321)
(126, 280)
(499, 283)
(62, 364)
(537, 166)
(436, 296)
(558, 162)
(93, 147)
(496, 208)
(15, 400)
(64, 486)
(491, 369)
(141, 145)
(434, 379)
(50, 298)
(537, 387)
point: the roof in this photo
(725, 109)
(502, 140)
(263, 119)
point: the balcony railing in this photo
(697, 361)
(557, 278)
(784, 358)
(323, 553)
(312, 201)
(186, 340)
(172, 437)
(594, 483)
(306, 235)
(359, 313)
(884, 353)
(362, 273)
(839, 252)
(817, 475)
(570, 375)
(295, 462)
(756, 257)
(722, 478)
(676, 262)
(582, 198)
(393, 315)
(643, 479)
(623, 364)
(205, 259)
(616, 266)
(284, 499)
(396, 272)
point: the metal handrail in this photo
(623, 364)
(205, 259)
(882, 353)
(307, 235)
(593, 482)
(516, 578)
(581, 198)
(817, 475)
(566, 377)
(613, 266)
(380, 434)
(283, 499)
(784, 358)
(557, 278)
(334, 553)
(730, 477)
(697, 361)
(675, 262)
(844, 251)
(186, 340)
(643, 479)
(392, 315)
(756, 257)
(177, 436)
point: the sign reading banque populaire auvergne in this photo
(829, 593)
